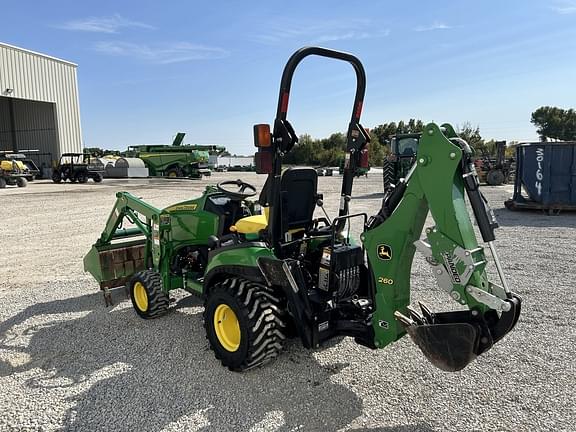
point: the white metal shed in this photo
(39, 107)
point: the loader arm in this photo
(438, 182)
(129, 206)
(113, 263)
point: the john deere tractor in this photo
(268, 269)
(403, 149)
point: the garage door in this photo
(27, 125)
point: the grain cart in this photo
(268, 275)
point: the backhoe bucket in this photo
(112, 265)
(451, 340)
(449, 347)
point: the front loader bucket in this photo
(112, 265)
(451, 340)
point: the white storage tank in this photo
(127, 167)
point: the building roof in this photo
(37, 54)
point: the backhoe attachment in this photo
(441, 176)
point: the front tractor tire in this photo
(148, 299)
(245, 323)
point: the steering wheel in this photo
(240, 193)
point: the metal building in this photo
(39, 108)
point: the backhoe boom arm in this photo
(437, 183)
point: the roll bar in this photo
(300, 55)
(284, 137)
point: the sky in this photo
(148, 69)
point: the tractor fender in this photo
(220, 273)
(237, 260)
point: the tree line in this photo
(552, 123)
(330, 151)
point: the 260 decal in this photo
(385, 280)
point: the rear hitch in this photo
(451, 340)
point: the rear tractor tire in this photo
(21, 182)
(2, 183)
(56, 177)
(245, 323)
(387, 174)
(97, 177)
(146, 293)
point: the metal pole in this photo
(499, 267)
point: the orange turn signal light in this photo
(262, 137)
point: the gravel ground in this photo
(69, 363)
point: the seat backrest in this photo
(298, 188)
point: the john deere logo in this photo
(384, 252)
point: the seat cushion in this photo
(251, 224)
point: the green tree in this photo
(555, 123)
(472, 136)
(384, 131)
(376, 151)
(335, 141)
(99, 152)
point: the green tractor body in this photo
(269, 269)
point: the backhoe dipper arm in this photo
(436, 183)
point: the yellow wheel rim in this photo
(140, 297)
(172, 174)
(227, 327)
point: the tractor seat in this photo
(298, 197)
(251, 224)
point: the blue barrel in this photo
(547, 173)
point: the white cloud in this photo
(319, 32)
(351, 35)
(166, 53)
(109, 24)
(436, 25)
(565, 7)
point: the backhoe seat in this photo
(298, 188)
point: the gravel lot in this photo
(69, 363)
